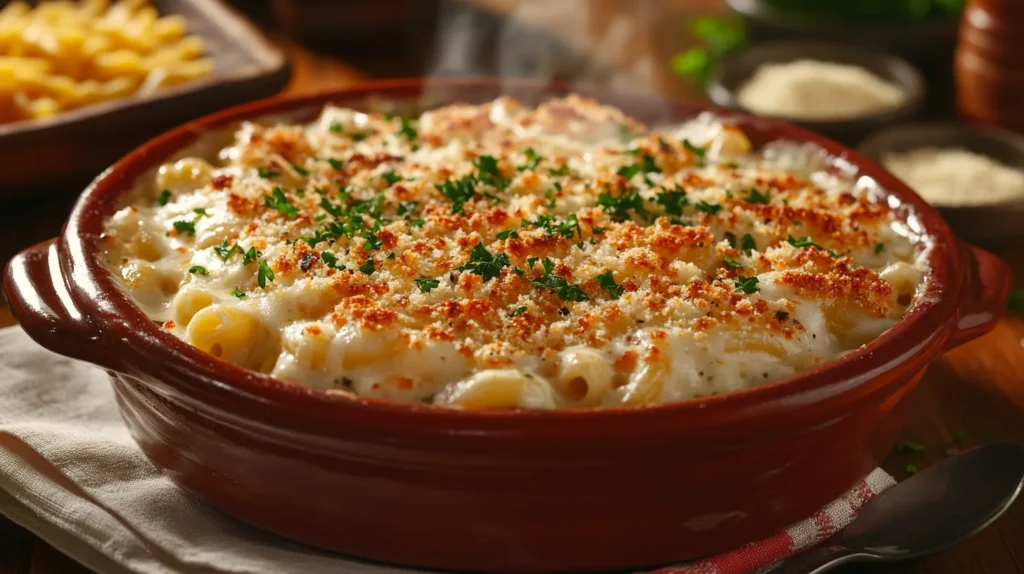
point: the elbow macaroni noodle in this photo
(61, 55)
(498, 256)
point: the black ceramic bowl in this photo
(916, 41)
(976, 223)
(738, 68)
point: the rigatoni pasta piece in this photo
(189, 302)
(584, 376)
(645, 385)
(231, 334)
(309, 343)
(184, 175)
(500, 389)
(729, 141)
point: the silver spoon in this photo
(951, 501)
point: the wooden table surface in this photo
(977, 389)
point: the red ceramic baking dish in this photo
(499, 491)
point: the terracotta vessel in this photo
(500, 491)
(990, 63)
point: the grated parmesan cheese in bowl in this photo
(956, 177)
(820, 91)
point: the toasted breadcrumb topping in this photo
(513, 233)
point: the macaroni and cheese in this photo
(502, 256)
(62, 55)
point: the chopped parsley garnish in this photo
(566, 291)
(390, 177)
(907, 447)
(607, 282)
(426, 284)
(407, 207)
(335, 210)
(518, 311)
(747, 242)
(672, 200)
(458, 191)
(646, 166)
(508, 233)
(619, 205)
(407, 130)
(417, 222)
(200, 211)
(550, 195)
(264, 274)
(698, 151)
(372, 241)
(164, 197)
(912, 469)
(266, 173)
(879, 248)
(711, 208)
(732, 262)
(335, 127)
(198, 270)
(598, 230)
(628, 171)
(329, 259)
(487, 172)
(300, 170)
(358, 136)
(236, 292)
(563, 170)
(553, 227)
(806, 242)
(188, 227)
(279, 202)
(746, 284)
(224, 251)
(250, 256)
(483, 263)
(367, 266)
(336, 164)
(757, 197)
(532, 159)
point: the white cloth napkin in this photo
(70, 473)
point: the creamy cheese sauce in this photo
(503, 256)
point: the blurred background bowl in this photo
(736, 69)
(926, 38)
(976, 223)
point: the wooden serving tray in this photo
(73, 147)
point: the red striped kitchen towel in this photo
(765, 555)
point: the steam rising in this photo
(550, 40)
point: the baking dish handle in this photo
(986, 289)
(39, 300)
